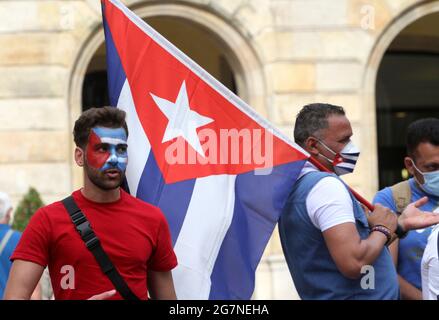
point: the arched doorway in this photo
(406, 90)
(194, 40)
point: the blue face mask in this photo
(431, 181)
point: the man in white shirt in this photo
(430, 267)
(327, 237)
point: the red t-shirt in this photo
(134, 234)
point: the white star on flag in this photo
(183, 121)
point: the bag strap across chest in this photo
(93, 244)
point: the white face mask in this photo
(431, 181)
(344, 162)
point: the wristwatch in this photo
(400, 232)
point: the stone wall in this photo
(39, 41)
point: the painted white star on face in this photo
(183, 121)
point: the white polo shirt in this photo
(430, 267)
(328, 203)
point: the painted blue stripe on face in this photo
(153, 189)
(116, 73)
(233, 275)
(114, 133)
(115, 162)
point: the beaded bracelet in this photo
(384, 230)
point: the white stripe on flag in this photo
(206, 223)
(138, 143)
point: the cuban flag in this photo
(220, 173)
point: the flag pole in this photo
(357, 196)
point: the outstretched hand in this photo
(103, 296)
(414, 218)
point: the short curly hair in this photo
(109, 117)
(422, 130)
(312, 118)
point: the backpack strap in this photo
(5, 240)
(93, 244)
(402, 195)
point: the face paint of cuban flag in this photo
(107, 149)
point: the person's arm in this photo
(394, 252)
(161, 285)
(349, 252)
(23, 279)
(38, 293)
(103, 296)
(408, 291)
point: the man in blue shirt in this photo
(422, 162)
(8, 240)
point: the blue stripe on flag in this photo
(259, 201)
(116, 73)
(153, 189)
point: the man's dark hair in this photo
(312, 118)
(422, 130)
(109, 117)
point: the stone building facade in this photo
(283, 54)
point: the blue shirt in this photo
(314, 272)
(411, 248)
(5, 263)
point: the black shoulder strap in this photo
(93, 244)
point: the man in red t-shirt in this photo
(134, 234)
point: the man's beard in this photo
(101, 180)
